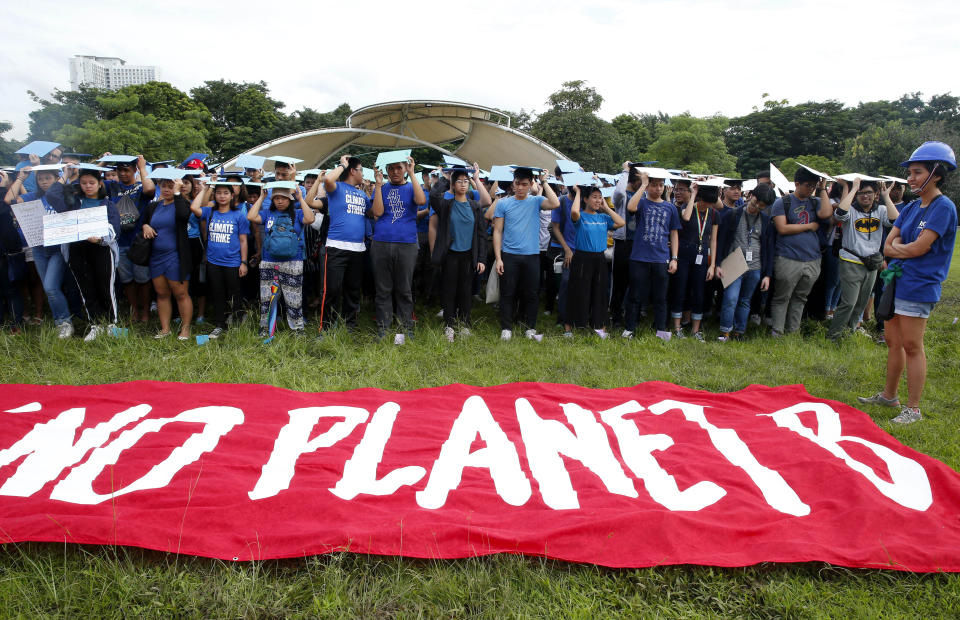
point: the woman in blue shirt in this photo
(920, 246)
(587, 290)
(287, 270)
(51, 263)
(165, 221)
(227, 228)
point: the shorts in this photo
(127, 272)
(919, 309)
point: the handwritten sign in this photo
(71, 226)
(30, 219)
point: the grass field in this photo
(45, 579)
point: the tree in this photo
(694, 144)
(134, 133)
(822, 164)
(880, 149)
(308, 118)
(522, 120)
(575, 95)
(631, 126)
(7, 147)
(780, 131)
(244, 115)
(65, 107)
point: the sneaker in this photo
(879, 399)
(602, 333)
(216, 333)
(465, 332)
(723, 338)
(153, 306)
(161, 335)
(506, 334)
(908, 415)
(775, 334)
(881, 339)
(64, 330)
(755, 319)
(546, 313)
(439, 315)
(678, 333)
(34, 320)
(627, 334)
(532, 334)
(738, 337)
(263, 333)
(698, 336)
(399, 339)
(95, 330)
(829, 315)
(449, 334)
(860, 331)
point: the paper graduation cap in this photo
(817, 172)
(578, 178)
(609, 178)
(283, 159)
(653, 173)
(852, 176)
(251, 162)
(281, 185)
(894, 179)
(749, 185)
(311, 172)
(118, 159)
(38, 148)
(428, 166)
(42, 167)
(503, 174)
(566, 166)
(607, 192)
(392, 157)
(450, 160)
(171, 174)
(165, 162)
(535, 169)
(642, 164)
(92, 167)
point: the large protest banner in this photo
(637, 476)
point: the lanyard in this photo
(752, 228)
(701, 229)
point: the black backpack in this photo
(129, 213)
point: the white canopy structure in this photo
(480, 134)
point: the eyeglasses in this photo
(868, 192)
(462, 181)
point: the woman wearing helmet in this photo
(919, 247)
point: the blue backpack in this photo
(282, 242)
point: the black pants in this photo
(456, 282)
(648, 281)
(223, 285)
(393, 268)
(343, 280)
(551, 280)
(94, 270)
(587, 290)
(621, 278)
(689, 286)
(198, 286)
(521, 279)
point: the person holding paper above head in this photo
(347, 207)
(860, 256)
(655, 246)
(516, 245)
(458, 245)
(591, 218)
(797, 217)
(697, 251)
(50, 261)
(282, 250)
(393, 252)
(746, 230)
(628, 182)
(165, 221)
(93, 260)
(919, 247)
(227, 228)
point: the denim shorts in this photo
(127, 272)
(919, 309)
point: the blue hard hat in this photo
(933, 150)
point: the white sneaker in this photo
(439, 315)
(399, 339)
(449, 333)
(465, 332)
(216, 333)
(627, 334)
(602, 333)
(532, 334)
(153, 306)
(95, 330)
(64, 330)
(506, 334)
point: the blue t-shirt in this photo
(268, 218)
(223, 236)
(30, 183)
(521, 224)
(164, 221)
(561, 216)
(347, 207)
(461, 226)
(803, 246)
(923, 275)
(655, 221)
(193, 227)
(398, 224)
(43, 199)
(591, 230)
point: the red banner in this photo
(648, 475)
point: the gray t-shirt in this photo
(862, 231)
(747, 238)
(804, 246)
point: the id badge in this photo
(749, 256)
(699, 259)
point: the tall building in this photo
(108, 72)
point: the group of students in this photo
(605, 250)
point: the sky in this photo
(642, 57)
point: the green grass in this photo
(45, 579)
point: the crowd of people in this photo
(648, 248)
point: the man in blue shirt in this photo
(516, 245)
(797, 217)
(395, 246)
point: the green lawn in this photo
(46, 579)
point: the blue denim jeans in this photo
(735, 309)
(52, 267)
